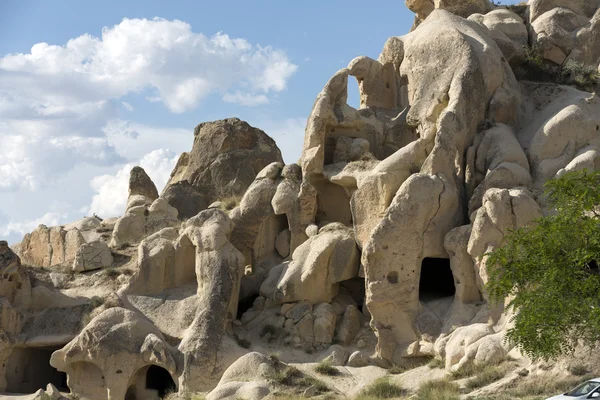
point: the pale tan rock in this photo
(581, 7)
(91, 256)
(349, 326)
(207, 350)
(140, 184)
(336, 355)
(224, 160)
(324, 323)
(305, 328)
(317, 266)
(141, 221)
(358, 359)
(555, 33)
(113, 351)
(508, 31)
(256, 227)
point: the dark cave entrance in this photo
(245, 304)
(160, 379)
(437, 280)
(356, 289)
(29, 369)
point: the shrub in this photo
(293, 377)
(487, 375)
(438, 390)
(583, 76)
(382, 388)
(112, 273)
(270, 333)
(243, 343)
(467, 371)
(436, 363)
(96, 301)
(395, 370)
(325, 368)
(578, 369)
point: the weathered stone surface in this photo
(46, 247)
(225, 158)
(140, 184)
(141, 221)
(115, 349)
(317, 266)
(349, 326)
(91, 256)
(207, 350)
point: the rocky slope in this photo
(369, 253)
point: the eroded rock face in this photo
(91, 256)
(225, 158)
(111, 356)
(446, 154)
(317, 266)
(46, 247)
(207, 349)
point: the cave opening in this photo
(29, 369)
(245, 304)
(356, 289)
(159, 379)
(437, 280)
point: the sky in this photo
(90, 89)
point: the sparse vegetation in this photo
(325, 368)
(293, 377)
(489, 374)
(270, 333)
(549, 271)
(575, 73)
(229, 203)
(436, 363)
(468, 370)
(578, 369)
(578, 74)
(274, 357)
(242, 342)
(396, 369)
(96, 301)
(112, 273)
(382, 388)
(438, 390)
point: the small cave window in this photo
(160, 379)
(437, 280)
(354, 92)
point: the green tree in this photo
(549, 271)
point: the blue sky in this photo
(75, 118)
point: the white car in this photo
(587, 390)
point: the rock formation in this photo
(225, 158)
(370, 252)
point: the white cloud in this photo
(182, 66)
(245, 99)
(61, 110)
(23, 227)
(57, 103)
(111, 190)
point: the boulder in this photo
(349, 326)
(226, 157)
(140, 184)
(91, 256)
